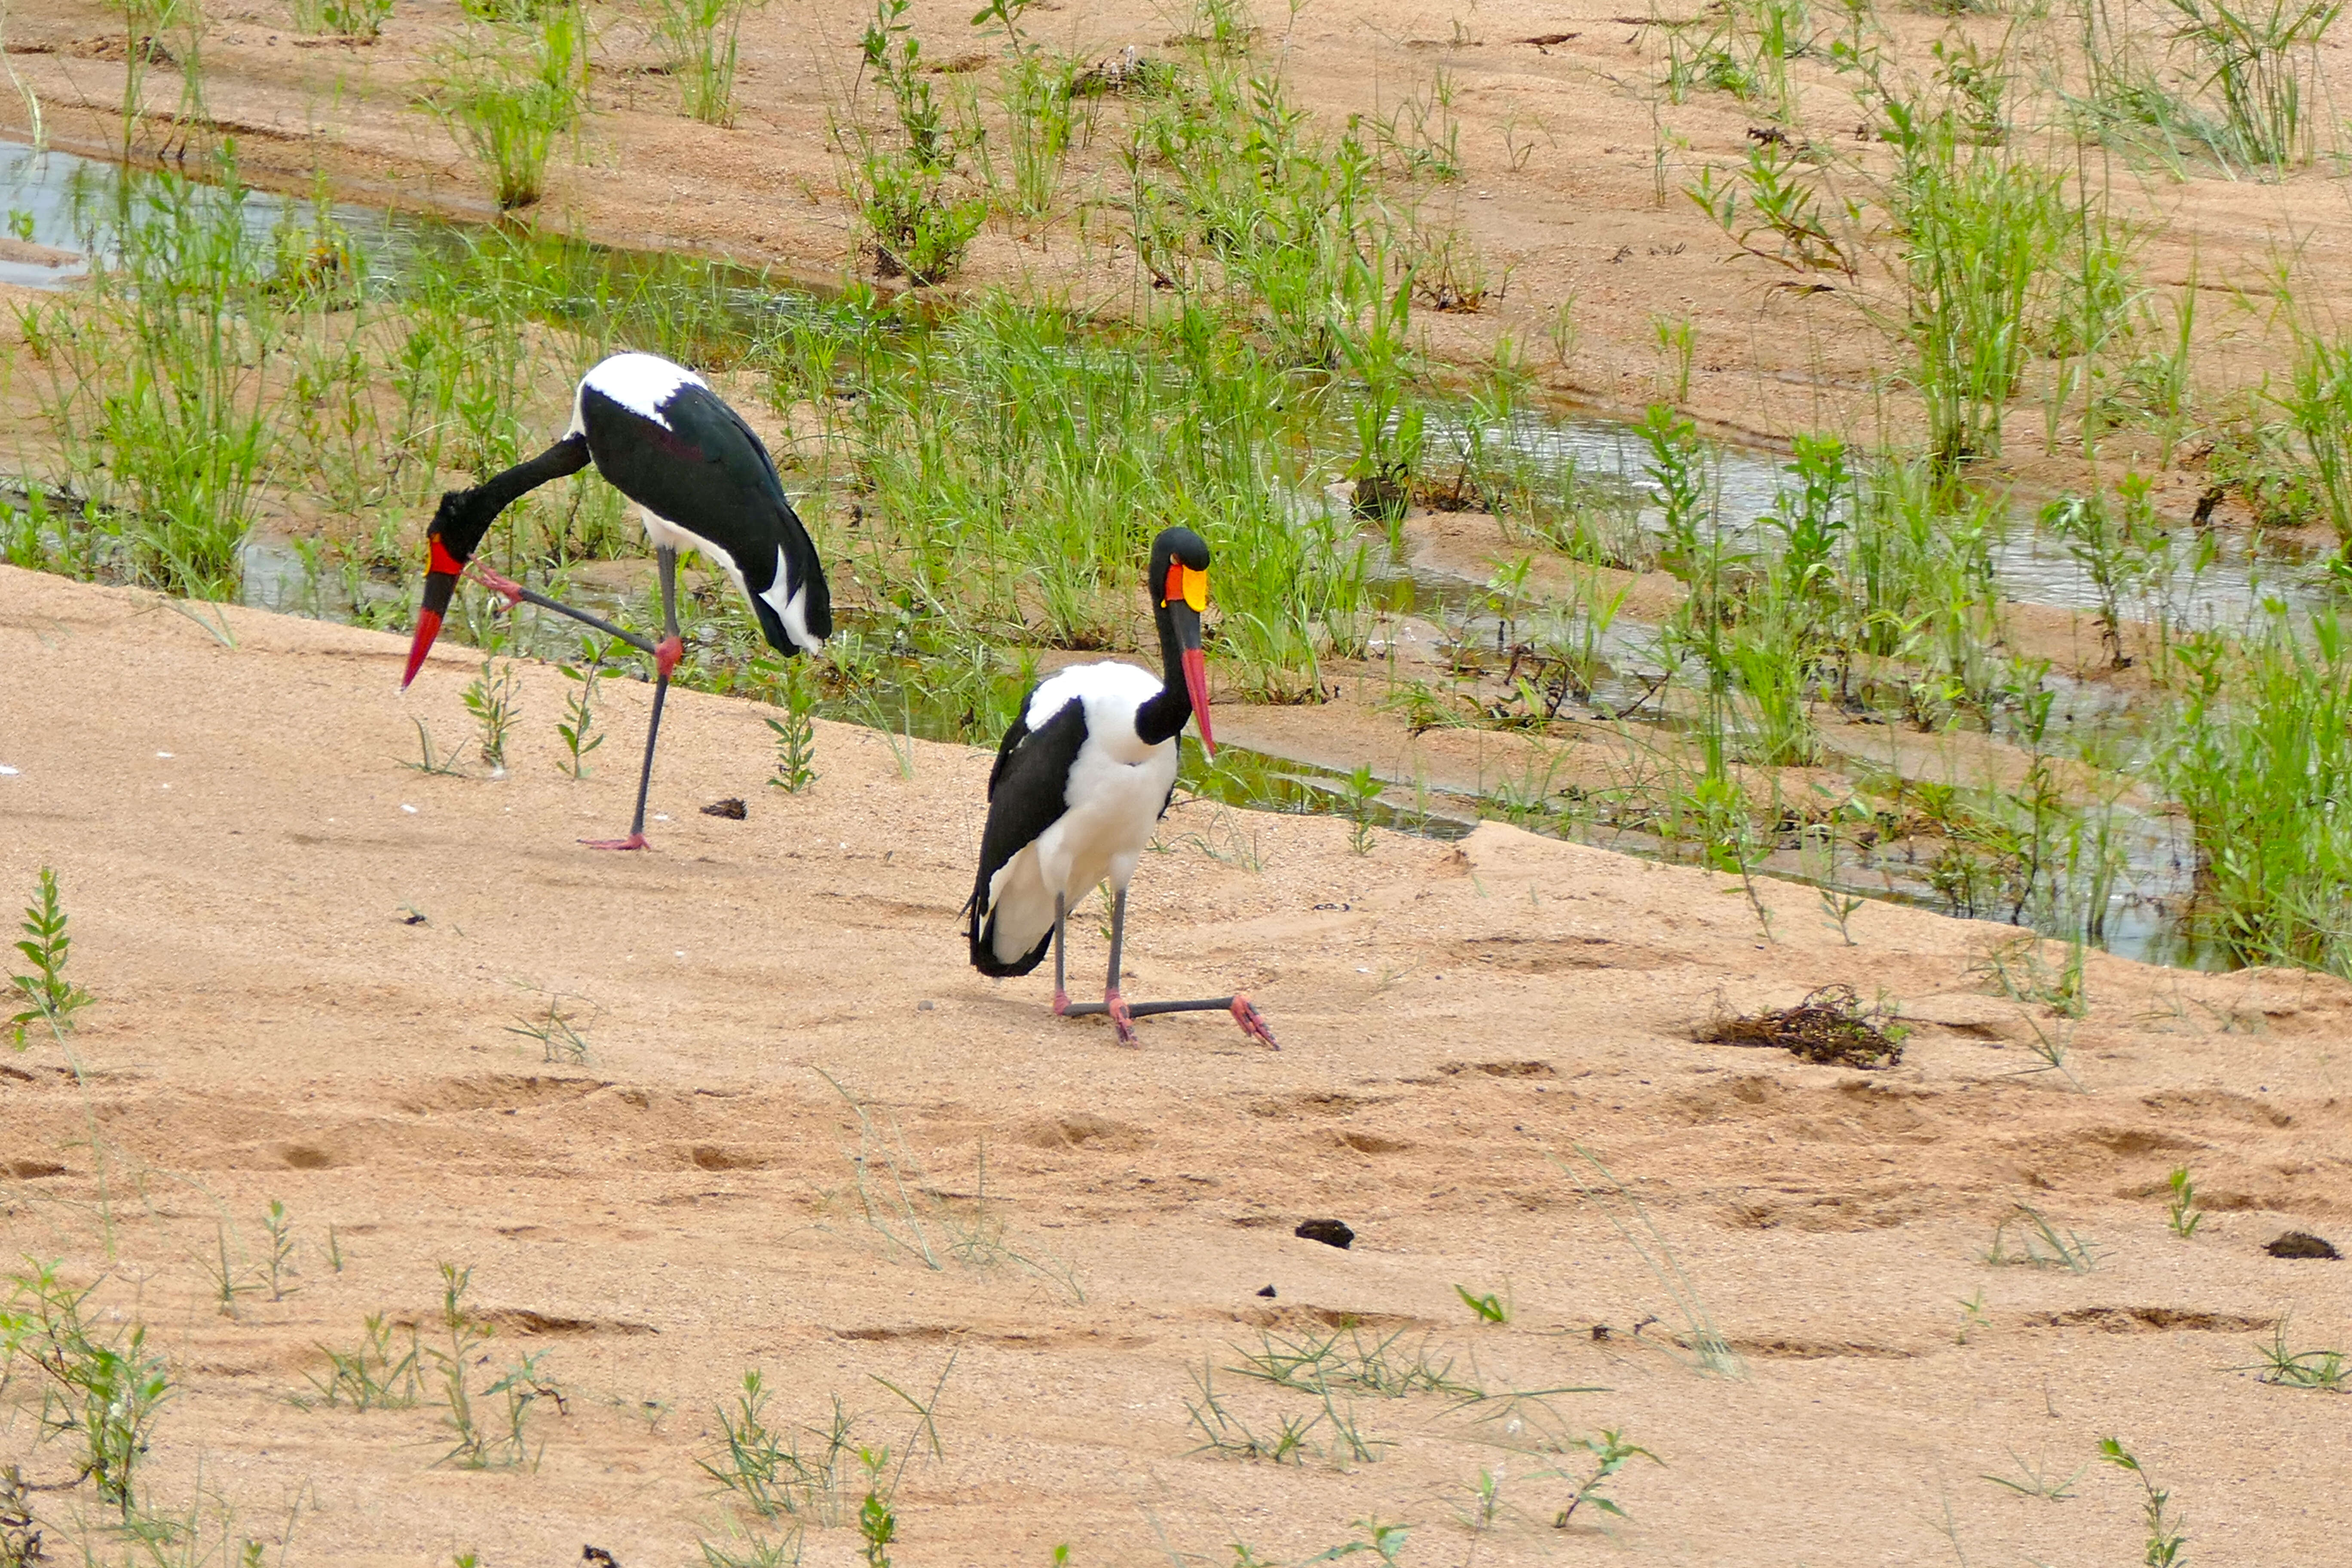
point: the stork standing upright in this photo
(702, 481)
(1084, 773)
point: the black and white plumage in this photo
(1081, 779)
(702, 480)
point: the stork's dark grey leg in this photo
(515, 594)
(1061, 989)
(1113, 1003)
(666, 656)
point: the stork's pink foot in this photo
(1120, 1018)
(505, 588)
(1252, 1025)
(634, 841)
(666, 653)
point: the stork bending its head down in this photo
(702, 481)
(1083, 775)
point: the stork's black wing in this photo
(1028, 791)
(707, 471)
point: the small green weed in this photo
(768, 1469)
(279, 1226)
(1345, 1360)
(795, 733)
(2053, 1046)
(2047, 1485)
(2025, 1237)
(495, 700)
(577, 730)
(877, 1522)
(1228, 1435)
(341, 18)
(2164, 1540)
(1611, 1452)
(698, 42)
(104, 1395)
(506, 100)
(53, 1000)
(495, 1438)
(1489, 1308)
(560, 1031)
(2180, 1212)
(229, 1277)
(1384, 1542)
(377, 1375)
(1972, 1318)
(747, 1549)
(2299, 1369)
(433, 762)
(1362, 790)
(2019, 970)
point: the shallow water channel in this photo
(58, 200)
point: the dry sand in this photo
(244, 857)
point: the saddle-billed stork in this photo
(702, 481)
(1086, 771)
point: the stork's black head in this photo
(457, 526)
(1179, 581)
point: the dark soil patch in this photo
(1829, 1026)
(2301, 1244)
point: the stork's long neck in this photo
(494, 495)
(1163, 716)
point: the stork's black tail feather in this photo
(983, 932)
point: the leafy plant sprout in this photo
(2166, 1542)
(280, 1229)
(495, 700)
(2180, 1211)
(1363, 789)
(50, 999)
(795, 733)
(1611, 1452)
(226, 1272)
(1489, 1308)
(577, 730)
(2052, 1046)
(1972, 1317)
(878, 1524)
(491, 1437)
